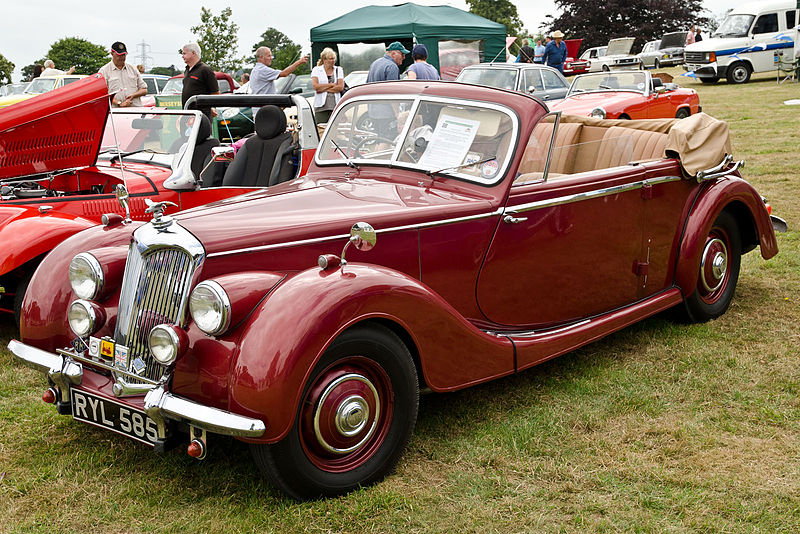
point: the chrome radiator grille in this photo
(695, 57)
(155, 290)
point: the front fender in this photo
(289, 332)
(26, 234)
(733, 194)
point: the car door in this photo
(566, 249)
(531, 82)
(764, 30)
(555, 86)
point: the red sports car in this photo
(63, 159)
(460, 235)
(627, 95)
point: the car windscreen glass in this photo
(162, 83)
(467, 141)
(629, 80)
(173, 86)
(500, 78)
(40, 85)
(151, 86)
(735, 26)
(153, 137)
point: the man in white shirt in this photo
(125, 83)
(51, 70)
(262, 77)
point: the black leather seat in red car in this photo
(203, 146)
(264, 159)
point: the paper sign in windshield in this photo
(450, 142)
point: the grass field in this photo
(662, 427)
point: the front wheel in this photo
(606, 68)
(682, 113)
(356, 415)
(739, 73)
(656, 64)
(718, 271)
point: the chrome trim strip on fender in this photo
(537, 333)
(577, 197)
(431, 224)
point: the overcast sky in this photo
(33, 25)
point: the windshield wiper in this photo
(130, 153)
(455, 168)
(346, 159)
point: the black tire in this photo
(365, 123)
(369, 364)
(718, 271)
(739, 73)
(656, 64)
(682, 113)
(19, 294)
(710, 81)
(624, 117)
(605, 68)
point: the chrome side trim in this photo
(431, 224)
(577, 197)
(538, 333)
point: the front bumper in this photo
(64, 372)
(705, 70)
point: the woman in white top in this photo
(328, 82)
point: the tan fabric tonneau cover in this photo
(699, 141)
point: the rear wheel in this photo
(719, 271)
(682, 113)
(656, 64)
(739, 73)
(357, 413)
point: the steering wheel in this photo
(367, 142)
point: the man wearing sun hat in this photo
(124, 81)
(387, 67)
(555, 53)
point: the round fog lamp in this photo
(85, 276)
(165, 345)
(81, 318)
(210, 308)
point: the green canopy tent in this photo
(411, 23)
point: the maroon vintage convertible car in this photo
(63, 158)
(501, 236)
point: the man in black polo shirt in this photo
(198, 78)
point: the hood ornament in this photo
(160, 221)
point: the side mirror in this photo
(362, 236)
(660, 89)
(296, 91)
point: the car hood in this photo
(60, 129)
(673, 40)
(732, 44)
(573, 46)
(583, 104)
(620, 47)
(318, 206)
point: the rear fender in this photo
(745, 204)
(288, 333)
(26, 234)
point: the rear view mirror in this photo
(147, 124)
(296, 91)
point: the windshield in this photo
(735, 26)
(174, 86)
(428, 135)
(40, 85)
(613, 81)
(500, 78)
(154, 137)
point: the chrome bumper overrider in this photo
(159, 404)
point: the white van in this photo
(747, 41)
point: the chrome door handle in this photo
(510, 219)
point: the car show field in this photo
(662, 426)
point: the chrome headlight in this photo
(82, 318)
(210, 308)
(598, 113)
(229, 113)
(85, 276)
(165, 344)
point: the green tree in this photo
(73, 51)
(6, 68)
(646, 20)
(167, 71)
(502, 11)
(217, 35)
(284, 50)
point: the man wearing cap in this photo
(124, 81)
(387, 67)
(262, 77)
(421, 69)
(555, 52)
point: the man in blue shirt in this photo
(555, 53)
(262, 77)
(538, 51)
(387, 67)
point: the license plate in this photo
(105, 413)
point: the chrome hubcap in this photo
(347, 414)
(714, 265)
